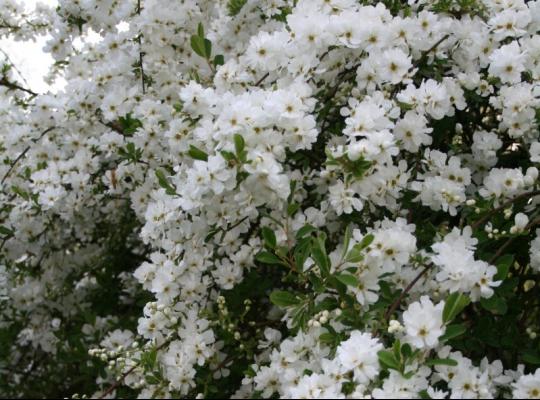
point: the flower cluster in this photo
(293, 198)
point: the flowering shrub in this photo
(248, 198)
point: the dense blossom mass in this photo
(282, 198)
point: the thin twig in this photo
(23, 154)
(396, 302)
(127, 373)
(139, 40)
(14, 86)
(142, 67)
(262, 79)
(486, 217)
(118, 382)
(501, 249)
(8, 58)
(114, 125)
(432, 48)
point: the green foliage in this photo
(197, 154)
(284, 299)
(266, 257)
(235, 6)
(354, 169)
(203, 48)
(164, 183)
(130, 153)
(455, 303)
(453, 331)
(269, 237)
(129, 124)
(398, 358)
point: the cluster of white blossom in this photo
(294, 198)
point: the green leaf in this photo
(266, 257)
(388, 360)
(198, 45)
(455, 303)
(346, 241)
(317, 283)
(292, 187)
(152, 380)
(292, 209)
(269, 237)
(442, 361)
(495, 304)
(239, 143)
(148, 360)
(200, 30)
(396, 349)
(365, 242)
(164, 183)
(354, 256)
(347, 279)
(327, 338)
(130, 153)
(5, 231)
(531, 358)
(302, 313)
(219, 60)
(129, 124)
(234, 6)
(406, 350)
(453, 331)
(318, 253)
(208, 48)
(227, 155)
(211, 234)
(305, 230)
(503, 267)
(197, 154)
(302, 252)
(284, 299)
(18, 191)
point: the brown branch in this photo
(396, 303)
(262, 79)
(501, 249)
(114, 125)
(23, 154)
(127, 373)
(141, 55)
(14, 86)
(118, 382)
(432, 48)
(8, 26)
(486, 217)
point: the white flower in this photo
(359, 355)
(394, 65)
(507, 63)
(521, 221)
(343, 199)
(527, 386)
(423, 323)
(534, 150)
(534, 252)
